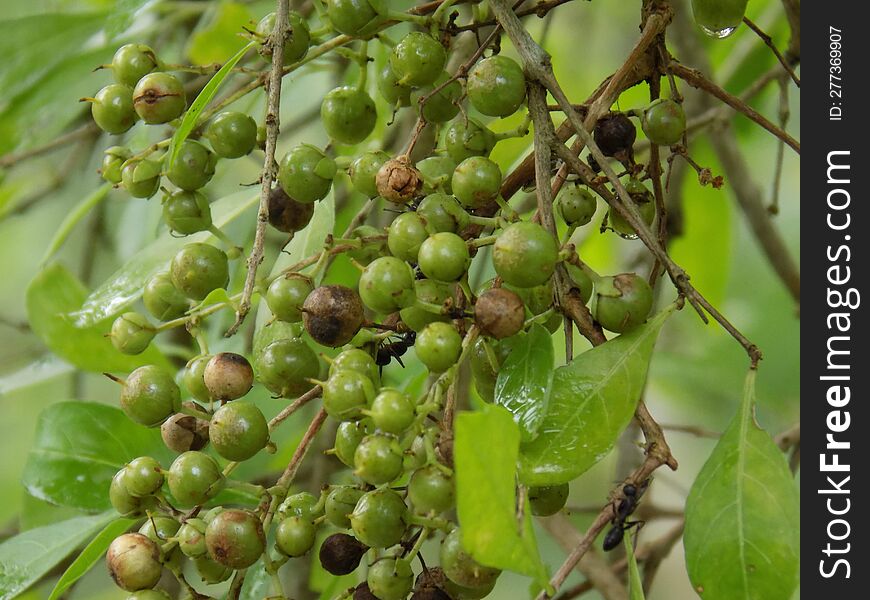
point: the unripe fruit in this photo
(306, 173)
(143, 476)
(377, 459)
(627, 306)
(235, 538)
(548, 500)
(438, 346)
(431, 490)
(191, 538)
(287, 215)
(125, 503)
(198, 269)
(210, 571)
(194, 478)
(646, 206)
(431, 292)
(476, 181)
(297, 41)
(466, 139)
(347, 438)
(391, 91)
(418, 59)
(443, 213)
(460, 567)
(353, 17)
(379, 518)
(354, 359)
(302, 504)
(162, 299)
(193, 166)
(133, 561)
(285, 366)
(348, 114)
(131, 333)
(141, 178)
(444, 257)
(525, 255)
(437, 172)
(340, 503)
(387, 285)
(407, 232)
(194, 378)
(159, 530)
(440, 106)
(182, 432)
(149, 595)
(228, 376)
(238, 430)
(397, 181)
(186, 212)
(340, 553)
(345, 393)
(295, 536)
(499, 313)
(150, 396)
(332, 315)
(232, 134)
(286, 296)
(390, 579)
(112, 108)
(664, 122)
(363, 172)
(132, 62)
(392, 411)
(496, 86)
(719, 18)
(113, 158)
(577, 205)
(159, 98)
(615, 135)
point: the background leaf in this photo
(52, 294)
(485, 449)
(591, 403)
(258, 583)
(88, 557)
(525, 378)
(221, 38)
(28, 556)
(310, 240)
(79, 447)
(635, 583)
(742, 535)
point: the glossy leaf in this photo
(635, 583)
(92, 553)
(52, 294)
(189, 121)
(125, 285)
(742, 535)
(592, 401)
(258, 583)
(27, 557)
(525, 379)
(79, 447)
(485, 449)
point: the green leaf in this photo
(485, 449)
(221, 38)
(27, 557)
(592, 401)
(125, 285)
(525, 379)
(121, 17)
(52, 294)
(635, 583)
(742, 535)
(72, 219)
(40, 370)
(92, 553)
(188, 122)
(79, 447)
(258, 583)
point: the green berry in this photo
(286, 295)
(295, 536)
(407, 232)
(392, 411)
(465, 138)
(548, 500)
(372, 248)
(441, 106)
(444, 257)
(191, 538)
(238, 430)
(379, 518)
(664, 122)
(438, 346)
(340, 503)
(332, 315)
(133, 561)
(232, 134)
(437, 172)
(193, 166)
(348, 114)
(364, 170)
(391, 91)
(496, 86)
(345, 393)
(125, 503)
(186, 212)
(198, 269)
(150, 396)
(112, 108)
(581, 281)
(525, 255)
(354, 359)
(113, 159)
(149, 595)
(347, 437)
(194, 378)
(377, 459)
(577, 205)
(210, 571)
(159, 98)
(306, 173)
(132, 62)
(460, 567)
(302, 504)
(235, 538)
(390, 579)
(418, 59)
(387, 285)
(194, 478)
(285, 367)
(719, 18)
(141, 178)
(298, 37)
(160, 530)
(431, 490)
(429, 291)
(624, 304)
(287, 215)
(476, 181)
(131, 333)
(353, 17)
(643, 199)
(443, 213)
(143, 476)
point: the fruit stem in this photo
(363, 61)
(430, 522)
(195, 413)
(484, 221)
(395, 15)
(244, 486)
(418, 545)
(483, 241)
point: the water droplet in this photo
(719, 33)
(626, 236)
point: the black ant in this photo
(396, 349)
(631, 497)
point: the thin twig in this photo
(768, 41)
(301, 450)
(85, 131)
(294, 406)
